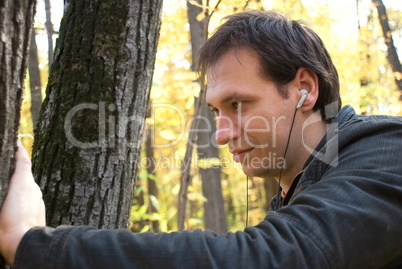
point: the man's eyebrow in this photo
(231, 97)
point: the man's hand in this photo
(23, 207)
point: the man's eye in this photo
(215, 111)
(236, 105)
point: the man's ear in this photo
(308, 80)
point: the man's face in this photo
(253, 118)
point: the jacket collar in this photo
(324, 155)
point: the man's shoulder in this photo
(357, 139)
(352, 125)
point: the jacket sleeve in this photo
(266, 245)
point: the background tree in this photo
(49, 31)
(87, 142)
(392, 54)
(16, 20)
(208, 153)
(375, 92)
(151, 170)
(35, 83)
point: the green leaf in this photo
(152, 177)
(154, 202)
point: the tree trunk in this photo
(185, 175)
(198, 30)
(16, 21)
(392, 55)
(214, 210)
(50, 31)
(88, 139)
(34, 80)
(151, 169)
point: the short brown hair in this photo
(282, 45)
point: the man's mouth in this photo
(240, 155)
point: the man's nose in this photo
(226, 130)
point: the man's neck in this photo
(306, 136)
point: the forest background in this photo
(352, 33)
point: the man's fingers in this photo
(22, 174)
(23, 207)
(21, 156)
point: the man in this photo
(276, 93)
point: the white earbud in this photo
(302, 98)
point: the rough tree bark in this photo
(87, 142)
(392, 54)
(35, 84)
(16, 21)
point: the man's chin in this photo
(266, 167)
(257, 172)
